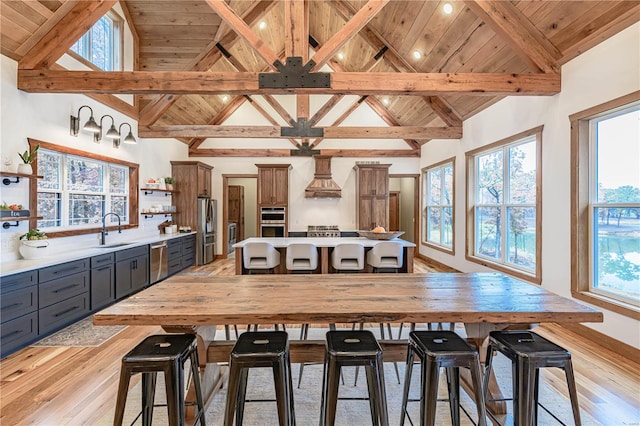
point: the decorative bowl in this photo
(380, 235)
(33, 249)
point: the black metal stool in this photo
(166, 353)
(441, 349)
(528, 353)
(260, 349)
(353, 348)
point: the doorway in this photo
(403, 205)
(240, 206)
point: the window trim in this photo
(133, 188)
(580, 190)
(426, 242)
(118, 26)
(536, 276)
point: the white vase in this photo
(25, 169)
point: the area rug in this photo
(81, 333)
(356, 412)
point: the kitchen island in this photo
(325, 246)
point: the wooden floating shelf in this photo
(149, 191)
(17, 176)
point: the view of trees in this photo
(97, 45)
(439, 205)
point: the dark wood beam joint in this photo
(304, 150)
(292, 74)
(302, 129)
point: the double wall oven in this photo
(273, 221)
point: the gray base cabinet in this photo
(18, 311)
(182, 253)
(132, 270)
(103, 281)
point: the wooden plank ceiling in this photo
(197, 62)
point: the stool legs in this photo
(148, 396)
(407, 384)
(123, 389)
(573, 394)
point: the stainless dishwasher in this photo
(159, 262)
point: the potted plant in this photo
(33, 244)
(27, 158)
(169, 181)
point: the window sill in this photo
(443, 249)
(613, 305)
(509, 271)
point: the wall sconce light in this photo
(129, 139)
(89, 126)
(112, 133)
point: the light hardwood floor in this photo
(77, 385)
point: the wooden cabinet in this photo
(235, 211)
(193, 180)
(273, 184)
(372, 194)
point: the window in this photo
(78, 188)
(606, 216)
(102, 44)
(437, 211)
(504, 196)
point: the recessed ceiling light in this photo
(262, 25)
(225, 98)
(417, 54)
(447, 8)
(385, 101)
(340, 56)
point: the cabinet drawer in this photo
(63, 288)
(63, 270)
(188, 261)
(16, 281)
(17, 303)
(102, 260)
(60, 314)
(174, 250)
(133, 252)
(18, 332)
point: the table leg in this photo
(324, 260)
(238, 261)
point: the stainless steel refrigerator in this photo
(206, 237)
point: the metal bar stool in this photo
(166, 353)
(353, 348)
(441, 349)
(528, 353)
(260, 349)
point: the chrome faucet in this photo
(104, 232)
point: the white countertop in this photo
(23, 265)
(320, 241)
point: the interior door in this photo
(394, 211)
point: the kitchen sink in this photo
(114, 245)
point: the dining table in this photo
(199, 303)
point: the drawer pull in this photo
(14, 332)
(13, 305)
(66, 311)
(103, 268)
(72, 268)
(65, 288)
(103, 261)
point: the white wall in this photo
(605, 72)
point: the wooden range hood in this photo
(322, 185)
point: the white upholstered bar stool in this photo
(302, 257)
(348, 257)
(260, 256)
(386, 256)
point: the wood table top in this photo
(270, 299)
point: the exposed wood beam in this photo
(67, 30)
(43, 29)
(136, 47)
(229, 152)
(252, 132)
(154, 110)
(266, 115)
(515, 28)
(444, 110)
(342, 117)
(297, 44)
(324, 109)
(243, 30)
(351, 28)
(209, 83)
(279, 108)
(378, 42)
(220, 118)
(388, 118)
